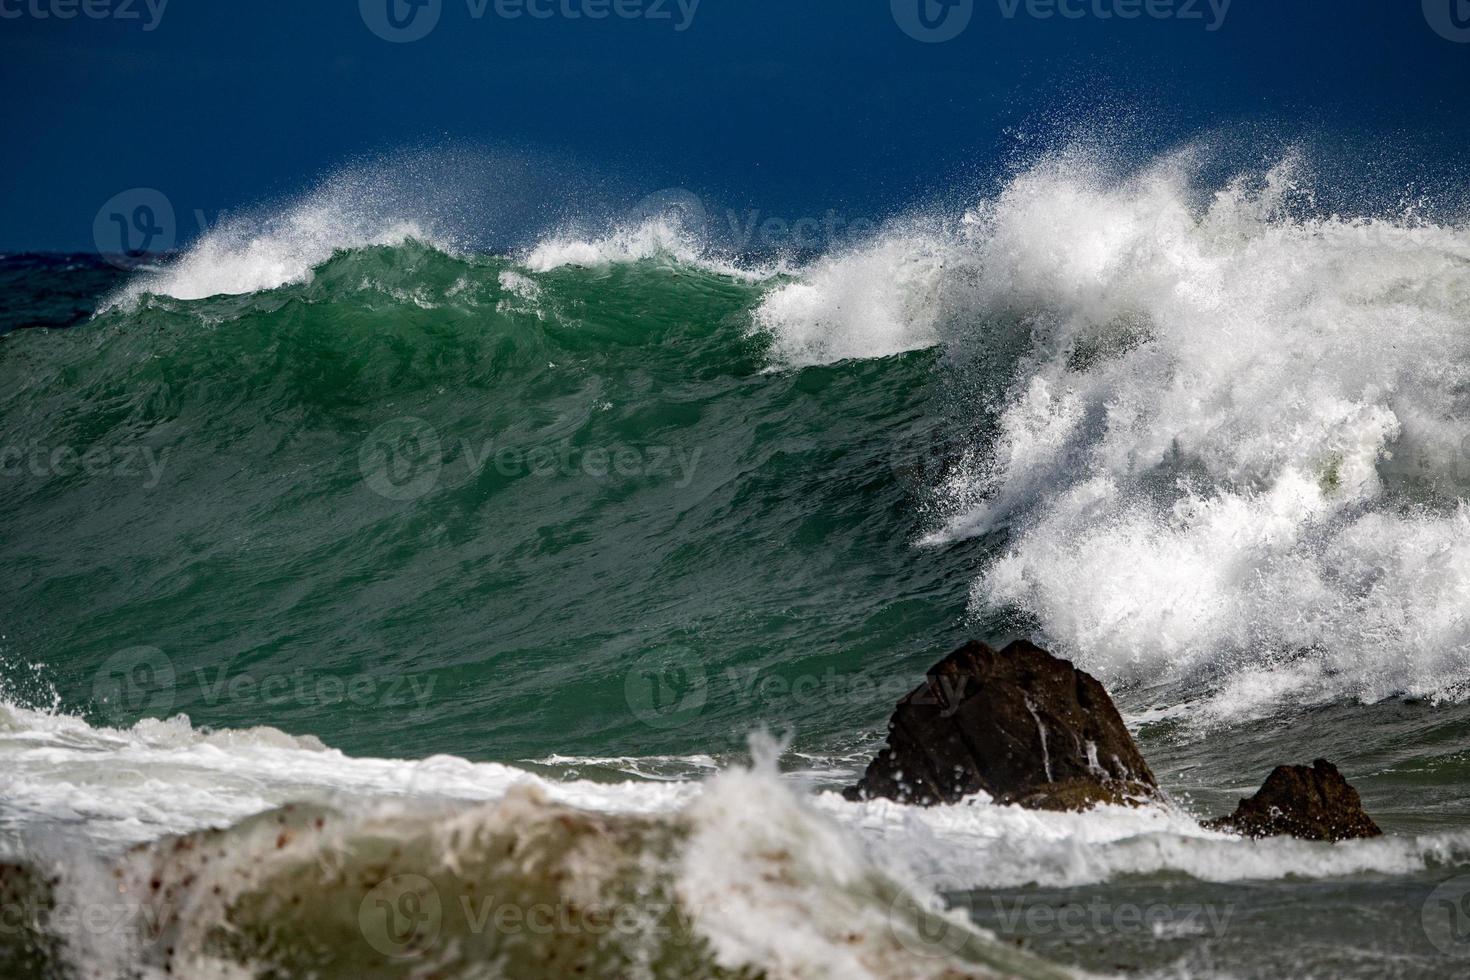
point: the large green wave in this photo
(537, 503)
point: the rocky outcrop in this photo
(1019, 724)
(1028, 728)
(1311, 802)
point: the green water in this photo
(425, 503)
(615, 484)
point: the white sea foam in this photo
(838, 908)
(1236, 452)
(767, 880)
(881, 298)
(123, 786)
(272, 246)
(658, 238)
(246, 257)
(159, 777)
(794, 884)
(978, 845)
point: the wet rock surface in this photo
(1311, 802)
(1018, 724)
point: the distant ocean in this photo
(485, 566)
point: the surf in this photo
(1181, 427)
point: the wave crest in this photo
(1234, 446)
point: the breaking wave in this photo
(1231, 450)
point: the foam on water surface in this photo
(124, 786)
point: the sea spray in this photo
(1233, 450)
(748, 881)
(1166, 421)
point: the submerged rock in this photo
(1019, 724)
(1311, 802)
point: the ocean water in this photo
(381, 605)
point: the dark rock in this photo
(1020, 725)
(1311, 802)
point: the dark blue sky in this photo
(795, 106)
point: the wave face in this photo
(338, 487)
(441, 461)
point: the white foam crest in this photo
(774, 880)
(1235, 449)
(875, 300)
(656, 767)
(119, 787)
(788, 891)
(263, 251)
(234, 260)
(770, 882)
(978, 845)
(123, 786)
(658, 238)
